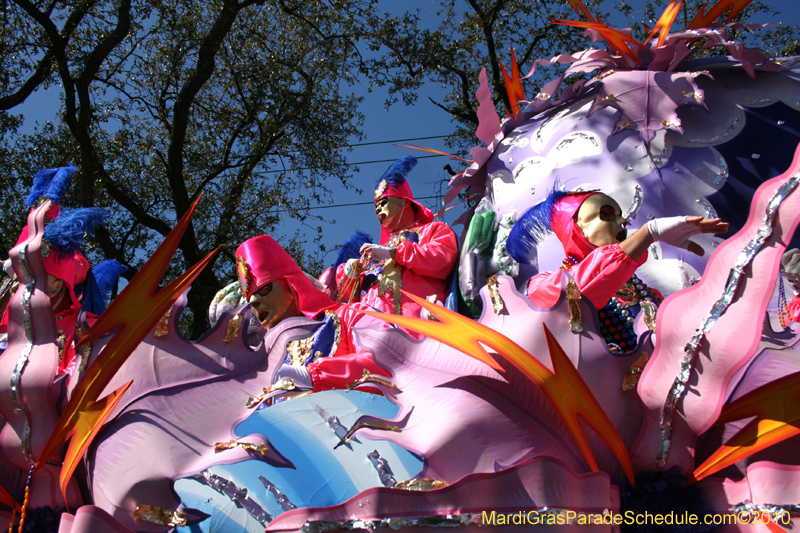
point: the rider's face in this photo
(273, 303)
(390, 212)
(600, 219)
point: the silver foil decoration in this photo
(237, 495)
(527, 163)
(547, 121)
(716, 138)
(722, 174)
(708, 208)
(332, 421)
(384, 470)
(280, 497)
(574, 136)
(779, 514)
(22, 361)
(635, 205)
(321, 526)
(744, 259)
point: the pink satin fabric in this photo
(598, 276)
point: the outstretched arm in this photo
(673, 230)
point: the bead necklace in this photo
(619, 314)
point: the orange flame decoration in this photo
(514, 89)
(431, 150)
(702, 20)
(615, 38)
(564, 387)
(84, 414)
(665, 22)
(618, 40)
(776, 407)
(579, 8)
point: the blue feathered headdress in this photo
(395, 175)
(67, 232)
(532, 227)
(350, 248)
(50, 183)
(107, 274)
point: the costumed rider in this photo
(415, 253)
(601, 257)
(75, 296)
(276, 289)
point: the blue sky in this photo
(374, 153)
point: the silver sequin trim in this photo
(636, 205)
(692, 347)
(22, 361)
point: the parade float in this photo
(520, 411)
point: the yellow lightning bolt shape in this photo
(564, 387)
(664, 23)
(84, 414)
(776, 407)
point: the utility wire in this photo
(344, 164)
(345, 205)
(397, 141)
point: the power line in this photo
(347, 205)
(399, 140)
(344, 164)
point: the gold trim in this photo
(159, 515)
(234, 327)
(379, 190)
(631, 378)
(286, 384)
(574, 297)
(392, 281)
(426, 483)
(263, 449)
(243, 273)
(369, 378)
(162, 328)
(498, 305)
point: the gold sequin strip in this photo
(498, 305)
(162, 328)
(369, 378)
(284, 384)
(634, 372)
(263, 449)
(159, 515)
(392, 282)
(426, 483)
(368, 424)
(234, 327)
(574, 299)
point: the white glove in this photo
(379, 253)
(300, 375)
(673, 230)
(8, 269)
(349, 268)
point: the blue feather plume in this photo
(51, 183)
(72, 225)
(350, 248)
(532, 227)
(396, 174)
(107, 274)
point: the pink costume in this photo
(261, 260)
(71, 267)
(599, 272)
(425, 255)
